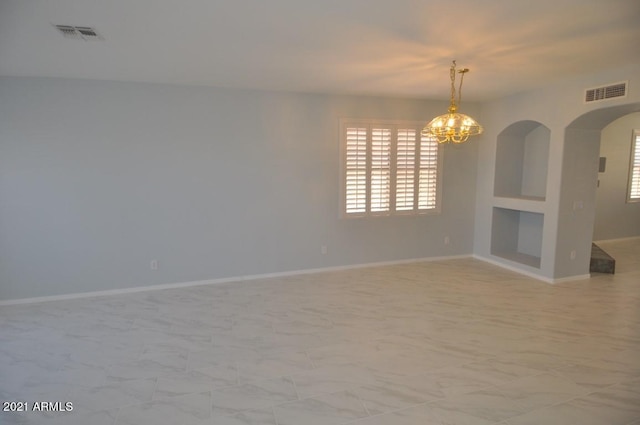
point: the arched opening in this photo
(615, 216)
(578, 188)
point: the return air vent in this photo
(79, 33)
(606, 92)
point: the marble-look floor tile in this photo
(275, 364)
(443, 342)
(112, 395)
(251, 396)
(451, 381)
(501, 371)
(182, 383)
(102, 417)
(574, 412)
(327, 409)
(594, 377)
(623, 361)
(218, 356)
(337, 354)
(622, 398)
(533, 359)
(383, 397)
(248, 417)
(331, 379)
(537, 391)
(490, 404)
(147, 368)
(430, 414)
(74, 417)
(615, 405)
(192, 409)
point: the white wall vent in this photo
(606, 92)
(79, 33)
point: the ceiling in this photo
(372, 47)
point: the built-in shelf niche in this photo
(522, 157)
(517, 236)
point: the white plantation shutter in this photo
(634, 171)
(380, 169)
(405, 169)
(388, 168)
(356, 170)
(428, 173)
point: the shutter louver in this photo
(405, 169)
(428, 173)
(380, 169)
(356, 170)
(634, 186)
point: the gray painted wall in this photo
(530, 234)
(99, 178)
(615, 218)
(535, 160)
(577, 201)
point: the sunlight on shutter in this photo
(405, 169)
(388, 168)
(380, 169)
(356, 170)
(634, 190)
(428, 173)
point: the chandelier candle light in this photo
(453, 126)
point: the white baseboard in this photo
(572, 278)
(628, 238)
(531, 274)
(110, 292)
(241, 278)
(513, 269)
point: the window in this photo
(388, 168)
(634, 169)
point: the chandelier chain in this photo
(452, 73)
(462, 72)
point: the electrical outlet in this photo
(323, 250)
(153, 264)
(573, 254)
(447, 240)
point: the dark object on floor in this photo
(601, 262)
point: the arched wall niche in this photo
(522, 157)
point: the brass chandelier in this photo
(453, 126)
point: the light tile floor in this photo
(456, 342)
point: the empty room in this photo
(319, 213)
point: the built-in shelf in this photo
(522, 156)
(517, 236)
(530, 203)
(519, 257)
(531, 198)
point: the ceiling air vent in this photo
(79, 33)
(606, 92)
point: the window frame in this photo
(394, 125)
(634, 168)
